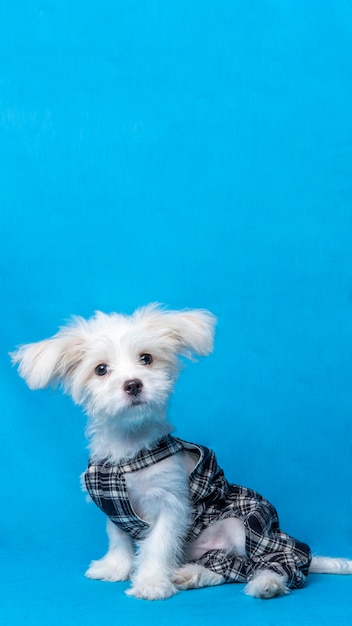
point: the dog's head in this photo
(118, 365)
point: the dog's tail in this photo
(326, 565)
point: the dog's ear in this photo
(50, 361)
(193, 331)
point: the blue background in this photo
(196, 154)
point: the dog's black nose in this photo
(133, 387)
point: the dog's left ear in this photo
(193, 330)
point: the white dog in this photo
(165, 496)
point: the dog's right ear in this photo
(50, 361)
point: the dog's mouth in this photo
(137, 402)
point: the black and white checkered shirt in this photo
(213, 498)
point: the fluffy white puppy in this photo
(122, 369)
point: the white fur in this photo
(120, 424)
(326, 565)
(266, 584)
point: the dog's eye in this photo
(145, 359)
(101, 369)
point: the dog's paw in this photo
(110, 568)
(152, 590)
(194, 576)
(267, 584)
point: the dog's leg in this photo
(160, 551)
(152, 580)
(266, 584)
(195, 576)
(117, 563)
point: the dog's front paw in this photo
(267, 584)
(152, 590)
(110, 568)
(194, 576)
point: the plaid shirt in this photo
(213, 498)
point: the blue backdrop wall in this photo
(199, 155)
